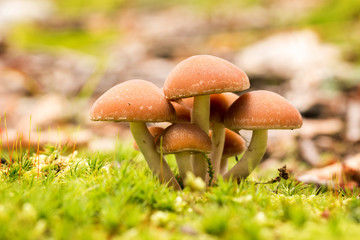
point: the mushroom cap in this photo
(155, 132)
(234, 144)
(262, 110)
(180, 137)
(133, 101)
(202, 75)
(183, 113)
(219, 104)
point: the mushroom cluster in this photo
(205, 117)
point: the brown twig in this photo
(283, 174)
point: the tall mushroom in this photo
(138, 101)
(200, 76)
(259, 111)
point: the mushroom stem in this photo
(201, 112)
(184, 164)
(199, 165)
(218, 140)
(223, 165)
(252, 156)
(200, 115)
(147, 147)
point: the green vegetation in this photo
(32, 37)
(338, 22)
(80, 8)
(93, 196)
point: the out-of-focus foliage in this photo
(335, 21)
(33, 37)
(336, 11)
(339, 22)
(80, 8)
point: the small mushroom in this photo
(180, 139)
(219, 104)
(138, 101)
(259, 111)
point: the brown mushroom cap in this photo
(180, 137)
(183, 113)
(234, 144)
(262, 110)
(204, 74)
(133, 101)
(155, 132)
(219, 104)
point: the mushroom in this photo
(199, 76)
(138, 101)
(259, 111)
(219, 104)
(180, 139)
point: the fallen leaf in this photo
(344, 174)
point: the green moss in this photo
(92, 197)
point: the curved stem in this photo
(183, 161)
(147, 147)
(251, 158)
(223, 165)
(218, 140)
(200, 115)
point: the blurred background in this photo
(58, 56)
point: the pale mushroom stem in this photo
(252, 156)
(184, 164)
(223, 165)
(200, 115)
(218, 140)
(146, 144)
